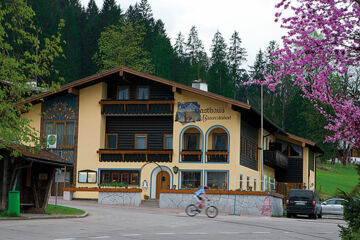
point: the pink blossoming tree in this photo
(322, 44)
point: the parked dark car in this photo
(303, 202)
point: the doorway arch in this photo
(153, 178)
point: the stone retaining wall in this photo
(120, 198)
(258, 205)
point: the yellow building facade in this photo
(125, 128)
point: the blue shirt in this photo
(199, 192)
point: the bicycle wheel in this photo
(211, 211)
(191, 210)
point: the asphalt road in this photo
(113, 222)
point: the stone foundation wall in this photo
(120, 198)
(258, 205)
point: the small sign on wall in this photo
(51, 141)
(43, 176)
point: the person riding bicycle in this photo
(199, 196)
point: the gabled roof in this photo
(121, 70)
(39, 155)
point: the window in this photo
(241, 181)
(140, 141)
(87, 176)
(111, 140)
(64, 130)
(123, 93)
(295, 151)
(248, 183)
(217, 180)
(143, 93)
(220, 141)
(254, 184)
(191, 141)
(126, 177)
(191, 179)
(168, 141)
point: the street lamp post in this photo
(262, 139)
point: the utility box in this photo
(14, 203)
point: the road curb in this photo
(46, 217)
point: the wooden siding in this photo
(126, 127)
(294, 172)
(250, 133)
(157, 91)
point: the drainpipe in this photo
(262, 139)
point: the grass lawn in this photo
(61, 210)
(331, 177)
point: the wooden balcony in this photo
(137, 107)
(134, 155)
(218, 156)
(191, 155)
(275, 158)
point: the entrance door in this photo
(162, 182)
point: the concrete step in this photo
(153, 203)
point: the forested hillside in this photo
(97, 38)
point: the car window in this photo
(330, 202)
(301, 193)
(339, 202)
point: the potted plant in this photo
(146, 197)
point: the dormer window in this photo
(123, 93)
(143, 93)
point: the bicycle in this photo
(210, 210)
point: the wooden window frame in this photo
(117, 91)
(65, 134)
(254, 188)
(226, 140)
(132, 175)
(164, 140)
(187, 140)
(146, 139)
(137, 91)
(106, 140)
(87, 175)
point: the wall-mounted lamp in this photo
(175, 169)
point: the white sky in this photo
(253, 19)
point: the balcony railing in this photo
(191, 155)
(275, 159)
(134, 155)
(137, 107)
(217, 156)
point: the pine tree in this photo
(110, 14)
(90, 34)
(219, 79)
(179, 46)
(196, 54)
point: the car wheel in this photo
(314, 216)
(320, 215)
(288, 215)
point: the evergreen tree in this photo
(219, 79)
(196, 55)
(90, 35)
(122, 45)
(179, 46)
(257, 72)
(110, 14)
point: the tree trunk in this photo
(4, 183)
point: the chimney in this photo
(200, 84)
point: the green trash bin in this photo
(14, 203)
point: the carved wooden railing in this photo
(115, 155)
(191, 155)
(217, 155)
(137, 107)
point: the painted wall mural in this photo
(191, 112)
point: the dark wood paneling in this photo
(250, 134)
(293, 173)
(157, 90)
(126, 128)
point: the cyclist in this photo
(199, 196)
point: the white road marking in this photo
(165, 233)
(229, 232)
(101, 237)
(131, 235)
(260, 232)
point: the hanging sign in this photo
(51, 141)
